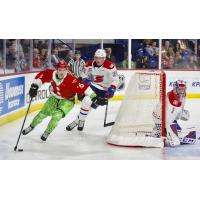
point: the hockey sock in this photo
(83, 114)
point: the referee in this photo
(78, 64)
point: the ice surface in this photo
(89, 144)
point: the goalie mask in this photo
(179, 87)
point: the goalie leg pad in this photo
(172, 135)
(190, 138)
(177, 126)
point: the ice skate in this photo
(27, 130)
(80, 125)
(44, 136)
(72, 125)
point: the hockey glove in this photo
(99, 101)
(185, 115)
(86, 80)
(111, 91)
(33, 90)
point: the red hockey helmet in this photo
(61, 64)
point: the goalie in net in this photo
(148, 116)
(175, 110)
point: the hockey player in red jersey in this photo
(103, 79)
(175, 110)
(64, 86)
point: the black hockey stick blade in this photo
(109, 124)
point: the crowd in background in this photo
(175, 54)
(180, 54)
(145, 54)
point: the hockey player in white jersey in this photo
(175, 103)
(102, 77)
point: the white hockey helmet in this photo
(100, 53)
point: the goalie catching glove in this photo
(185, 115)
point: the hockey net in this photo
(135, 125)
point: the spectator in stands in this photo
(142, 62)
(167, 60)
(54, 57)
(1, 58)
(198, 54)
(164, 59)
(198, 50)
(148, 49)
(70, 58)
(45, 59)
(78, 64)
(45, 45)
(26, 49)
(21, 64)
(109, 55)
(178, 60)
(147, 42)
(15, 60)
(124, 63)
(37, 44)
(155, 49)
(171, 58)
(177, 48)
(192, 63)
(151, 49)
(167, 46)
(36, 59)
(11, 55)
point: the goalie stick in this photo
(105, 118)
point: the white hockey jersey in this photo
(101, 77)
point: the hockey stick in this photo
(15, 148)
(105, 118)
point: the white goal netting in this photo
(134, 125)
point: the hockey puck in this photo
(20, 149)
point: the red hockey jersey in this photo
(174, 99)
(62, 89)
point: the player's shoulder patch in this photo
(108, 64)
(89, 63)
